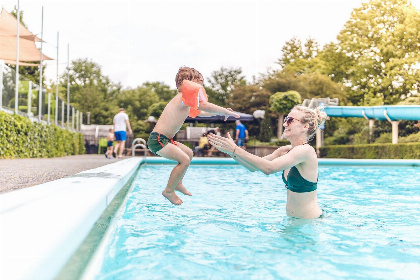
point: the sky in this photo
(147, 41)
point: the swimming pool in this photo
(235, 227)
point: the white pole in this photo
(68, 86)
(17, 61)
(29, 99)
(49, 106)
(1, 83)
(77, 120)
(394, 132)
(40, 72)
(56, 88)
(62, 113)
(72, 118)
(81, 119)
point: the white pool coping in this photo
(42, 226)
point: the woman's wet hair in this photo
(314, 117)
(186, 73)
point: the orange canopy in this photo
(27, 48)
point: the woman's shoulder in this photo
(283, 150)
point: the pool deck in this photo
(49, 206)
(21, 173)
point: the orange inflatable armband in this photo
(191, 96)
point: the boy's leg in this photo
(172, 152)
(180, 187)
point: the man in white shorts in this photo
(120, 127)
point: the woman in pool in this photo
(298, 161)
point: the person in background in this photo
(241, 134)
(203, 145)
(120, 127)
(110, 142)
(297, 161)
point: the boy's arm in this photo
(206, 114)
(215, 109)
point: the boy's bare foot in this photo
(172, 197)
(182, 189)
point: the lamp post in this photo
(259, 114)
(152, 120)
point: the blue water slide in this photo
(382, 113)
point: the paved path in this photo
(21, 173)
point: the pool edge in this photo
(55, 217)
(76, 266)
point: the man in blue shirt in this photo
(241, 134)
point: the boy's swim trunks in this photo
(157, 141)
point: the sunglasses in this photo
(289, 120)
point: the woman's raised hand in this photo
(223, 144)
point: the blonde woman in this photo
(298, 161)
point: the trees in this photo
(137, 102)
(381, 43)
(91, 91)
(164, 92)
(283, 102)
(222, 83)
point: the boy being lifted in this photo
(190, 101)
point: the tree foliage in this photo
(91, 91)
(283, 102)
(164, 92)
(222, 83)
(381, 40)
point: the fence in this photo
(49, 109)
(93, 135)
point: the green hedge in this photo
(22, 138)
(372, 151)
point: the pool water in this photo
(235, 227)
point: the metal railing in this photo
(142, 145)
(37, 106)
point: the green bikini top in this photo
(296, 183)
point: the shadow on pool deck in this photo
(21, 173)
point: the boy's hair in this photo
(186, 73)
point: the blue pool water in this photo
(235, 227)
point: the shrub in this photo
(384, 138)
(21, 138)
(372, 151)
(410, 138)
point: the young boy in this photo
(110, 141)
(173, 116)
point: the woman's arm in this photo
(278, 153)
(297, 155)
(245, 164)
